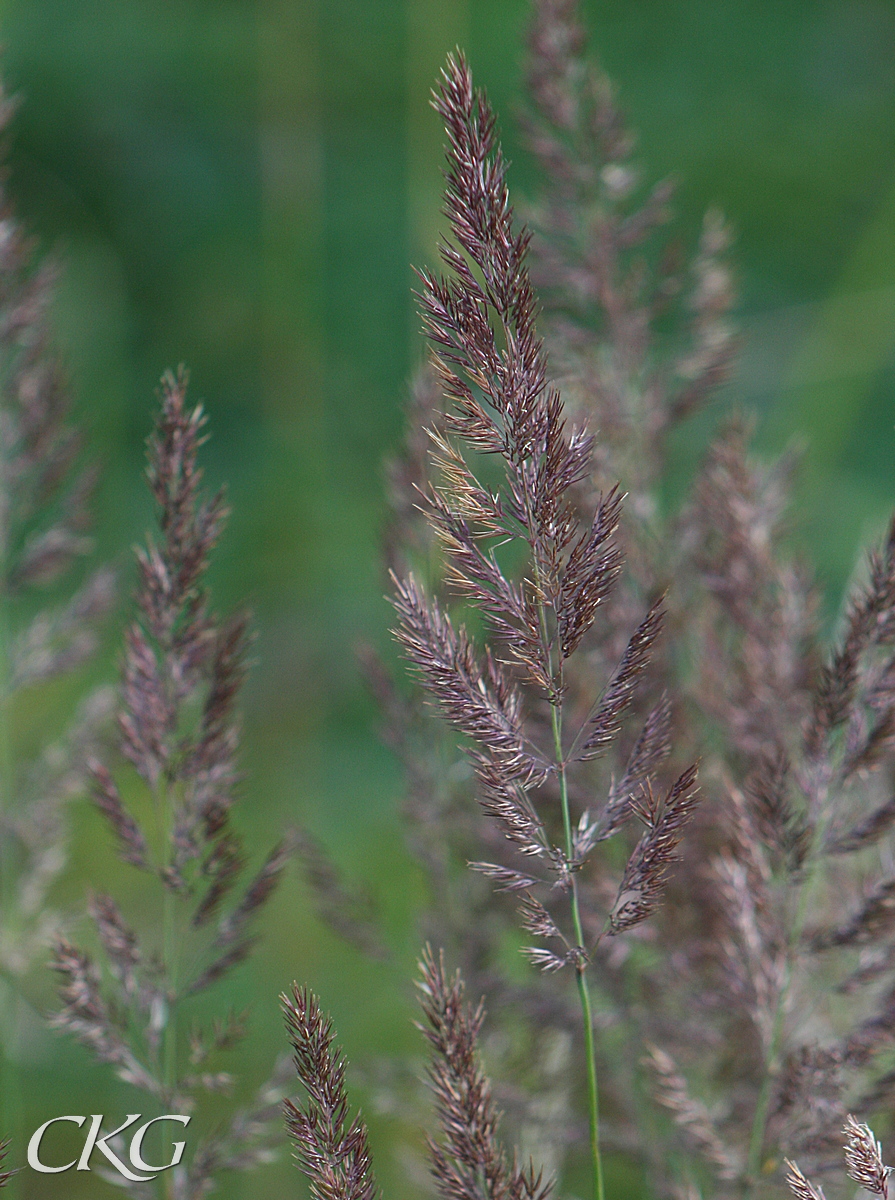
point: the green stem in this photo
(762, 1106)
(170, 962)
(760, 1121)
(593, 1095)
(10, 1088)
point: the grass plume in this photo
(492, 366)
(183, 669)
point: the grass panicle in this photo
(53, 606)
(331, 1148)
(182, 672)
(492, 366)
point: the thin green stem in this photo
(10, 1088)
(170, 961)
(763, 1103)
(170, 975)
(593, 1095)
(762, 1106)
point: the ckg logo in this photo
(136, 1171)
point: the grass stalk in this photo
(169, 958)
(593, 1095)
(593, 1092)
(170, 972)
(763, 1103)
(10, 1091)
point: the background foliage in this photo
(242, 185)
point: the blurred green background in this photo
(241, 185)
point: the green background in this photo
(242, 186)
